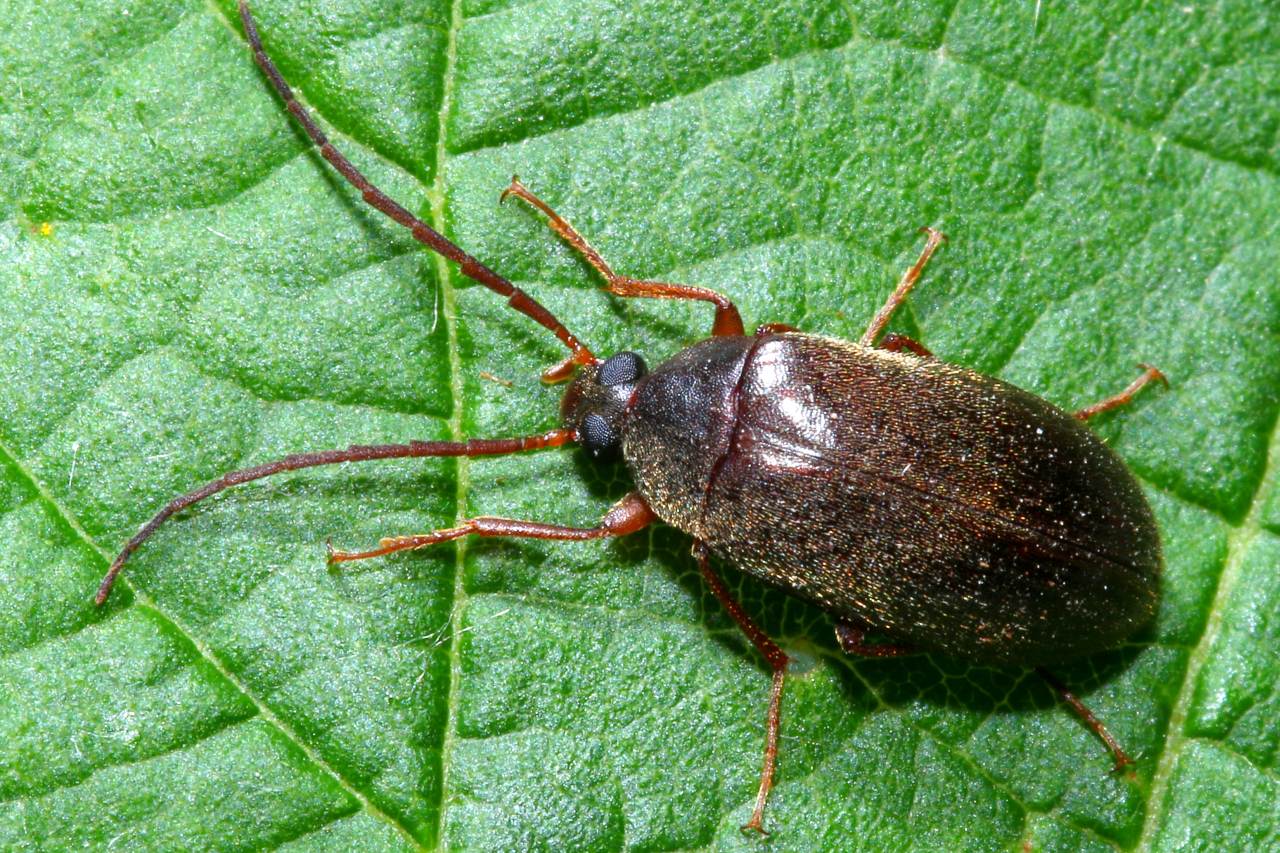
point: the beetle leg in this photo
(777, 659)
(908, 281)
(1082, 711)
(626, 516)
(727, 320)
(1149, 374)
(894, 342)
(852, 640)
(297, 461)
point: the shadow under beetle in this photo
(941, 509)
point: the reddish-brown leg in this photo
(774, 329)
(727, 320)
(1082, 711)
(777, 659)
(298, 461)
(852, 641)
(908, 281)
(626, 516)
(894, 342)
(1149, 374)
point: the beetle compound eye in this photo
(621, 369)
(597, 435)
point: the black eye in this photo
(621, 369)
(597, 436)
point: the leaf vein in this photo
(1239, 541)
(264, 709)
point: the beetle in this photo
(915, 500)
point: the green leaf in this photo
(186, 288)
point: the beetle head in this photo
(596, 402)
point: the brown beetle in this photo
(941, 509)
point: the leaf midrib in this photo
(447, 295)
(264, 710)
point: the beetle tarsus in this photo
(515, 182)
(1156, 373)
(1124, 764)
(754, 826)
(934, 234)
(1122, 759)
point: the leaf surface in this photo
(186, 288)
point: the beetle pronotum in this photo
(943, 510)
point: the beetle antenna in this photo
(423, 233)
(355, 453)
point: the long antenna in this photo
(355, 453)
(423, 233)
